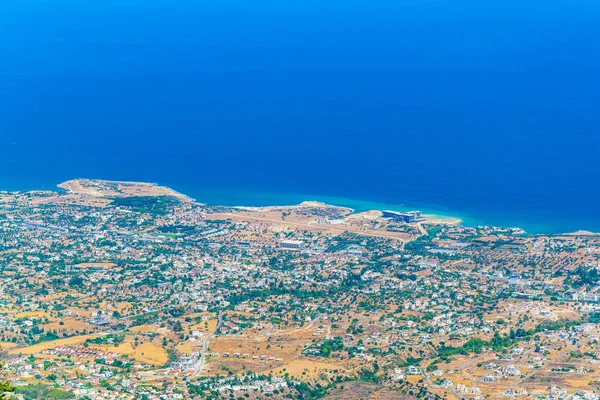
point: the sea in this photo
(484, 110)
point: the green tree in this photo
(5, 386)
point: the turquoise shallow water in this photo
(237, 197)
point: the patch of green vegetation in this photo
(114, 339)
(583, 276)
(144, 318)
(5, 387)
(500, 342)
(594, 318)
(35, 392)
(150, 204)
(433, 231)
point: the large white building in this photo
(291, 244)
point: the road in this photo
(205, 343)
(421, 229)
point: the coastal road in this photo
(205, 342)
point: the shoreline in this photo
(249, 198)
(353, 206)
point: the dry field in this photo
(32, 314)
(79, 199)
(277, 351)
(148, 353)
(7, 345)
(69, 325)
(307, 369)
(189, 347)
(294, 221)
(37, 348)
(101, 188)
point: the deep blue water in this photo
(485, 109)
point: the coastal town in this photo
(125, 290)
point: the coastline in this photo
(233, 197)
(248, 197)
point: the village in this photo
(120, 290)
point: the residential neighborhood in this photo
(118, 291)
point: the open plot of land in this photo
(276, 217)
(37, 348)
(68, 325)
(147, 353)
(7, 345)
(307, 369)
(101, 188)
